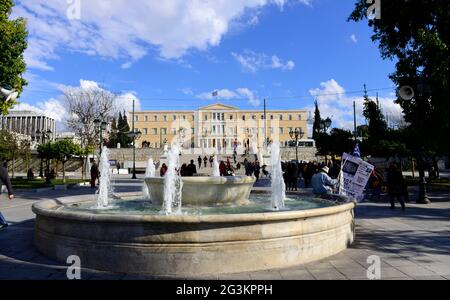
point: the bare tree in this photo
(85, 106)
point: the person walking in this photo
(205, 161)
(199, 160)
(396, 186)
(4, 180)
(257, 171)
(94, 173)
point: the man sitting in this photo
(322, 183)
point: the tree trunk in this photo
(64, 171)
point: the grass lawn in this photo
(40, 183)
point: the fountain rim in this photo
(209, 179)
(52, 208)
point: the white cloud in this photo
(56, 108)
(253, 61)
(52, 108)
(226, 94)
(353, 38)
(128, 30)
(334, 103)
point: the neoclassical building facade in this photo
(219, 126)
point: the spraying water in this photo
(104, 190)
(173, 184)
(216, 169)
(149, 172)
(278, 186)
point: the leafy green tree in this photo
(63, 151)
(47, 152)
(335, 143)
(13, 42)
(416, 35)
(7, 146)
(376, 121)
(317, 121)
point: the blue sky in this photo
(173, 57)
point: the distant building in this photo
(221, 127)
(27, 123)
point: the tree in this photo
(7, 147)
(86, 105)
(375, 118)
(13, 42)
(63, 151)
(47, 152)
(416, 35)
(317, 121)
(335, 143)
(123, 130)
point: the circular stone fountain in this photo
(214, 234)
(191, 244)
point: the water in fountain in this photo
(278, 187)
(149, 172)
(173, 184)
(216, 169)
(105, 189)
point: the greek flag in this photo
(356, 151)
(215, 93)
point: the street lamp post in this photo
(101, 126)
(134, 135)
(41, 136)
(296, 136)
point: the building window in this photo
(271, 130)
(231, 117)
(299, 117)
(154, 131)
(290, 117)
(174, 131)
(271, 117)
(206, 117)
(243, 118)
(193, 130)
(136, 118)
(146, 118)
(163, 130)
(174, 117)
(262, 117)
(214, 116)
(254, 117)
(155, 118)
(281, 117)
(145, 131)
(193, 118)
(281, 130)
(223, 117)
(165, 118)
(214, 129)
(184, 118)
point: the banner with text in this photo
(355, 174)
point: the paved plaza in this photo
(414, 244)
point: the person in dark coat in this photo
(257, 171)
(4, 179)
(396, 186)
(163, 170)
(94, 174)
(191, 169)
(199, 160)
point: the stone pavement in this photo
(411, 245)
